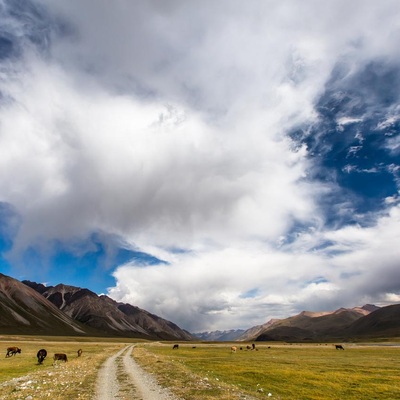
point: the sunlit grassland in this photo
(285, 371)
(208, 371)
(71, 380)
(26, 362)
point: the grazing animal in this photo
(176, 346)
(61, 357)
(79, 352)
(41, 355)
(339, 347)
(253, 346)
(248, 347)
(233, 349)
(12, 351)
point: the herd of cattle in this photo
(252, 347)
(41, 354)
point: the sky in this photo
(217, 163)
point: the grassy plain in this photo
(21, 376)
(203, 371)
(303, 372)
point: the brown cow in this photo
(61, 357)
(12, 351)
(79, 352)
(176, 346)
(339, 347)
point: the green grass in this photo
(291, 372)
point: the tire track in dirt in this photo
(120, 377)
(107, 386)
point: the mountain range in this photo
(345, 324)
(32, 308)
(220, 336)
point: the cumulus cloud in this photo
(88, 160)
(239, 287)
(166, 125)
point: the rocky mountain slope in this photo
(108, 316)
(29, 308)
(252, 333)
(25, 311)
(383, 322)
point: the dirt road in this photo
(120, 377)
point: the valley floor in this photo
(131, 370)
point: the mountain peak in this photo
(110, 317)
(370, 307)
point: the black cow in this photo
(176, 346)
(41, 355)
(12, 351)
(79, 352)
(339, 347)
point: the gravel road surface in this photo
(120, 377)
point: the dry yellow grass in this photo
(209, 371)
(21, 376)
(286, 372)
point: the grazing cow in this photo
(176, 346)
(61, 357)
(233, 349)
(339, 347)
(79, 352)
(12, 351)
(248, 347)
(41, 355)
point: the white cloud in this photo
(156, 172)
(166, 124)
(208, 288)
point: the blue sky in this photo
(218, 165)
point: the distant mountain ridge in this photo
(368, 321)
(220, 336)
(31, 308)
